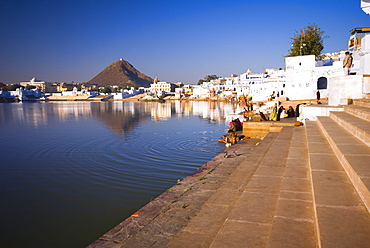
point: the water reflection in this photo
(73, 170)
(118, 116)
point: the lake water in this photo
(71, 171)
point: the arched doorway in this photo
(322, 83)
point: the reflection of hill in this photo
(120, 118)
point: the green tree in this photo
(207, 78)
(308, 41)
(106, 90)
(12, 87)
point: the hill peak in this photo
(121, 73)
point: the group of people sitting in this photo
(231, 137)
(277, 112)
(236, 125)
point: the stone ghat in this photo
(305, 186)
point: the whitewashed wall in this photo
(300, 80)
(365, 55)
(345, 87)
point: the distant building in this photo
(160, 87)
(354, 42)
(43, 86)
(89, 87)
(65, 87)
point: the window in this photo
(322, 83)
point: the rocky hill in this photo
(121, 73)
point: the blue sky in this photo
(65, 41)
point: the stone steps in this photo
(359, 111)
(339, 151)
(259, 129)
(362, 102)
(341, 216)
(353, 155)
(191, 213)
(294, 218)
(250, 221)
(348, 134)
(357, 127)
(228, 211)
(266, 202)
(290, 189)
(241, 211)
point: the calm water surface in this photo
(70, 171)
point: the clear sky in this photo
(176, 40)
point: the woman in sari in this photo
(273, 116)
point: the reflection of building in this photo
(161, 111)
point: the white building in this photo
(364, 55)
(22, 94)
(301, 79)
(263, 85)
(160, 88)
(365, 5)
(125, 94)
(43, 86)
(304, 77)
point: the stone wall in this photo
(343, 88)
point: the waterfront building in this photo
(65, 87)
(89, 87)
(21, 94)
(209, 89)
(235, 84)
(162, 87)
(263, 85)
(43, 86)
(303, 77)
(275, 84)
(126, 93)
(188, 89)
